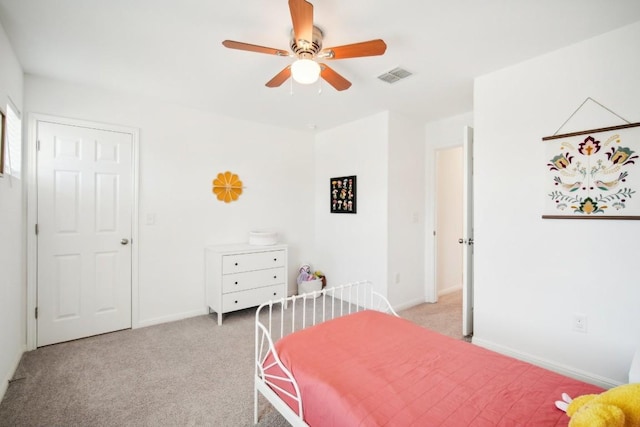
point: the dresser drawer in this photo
(252, 279)
(239, 276)
(251, 298)
(252, 261)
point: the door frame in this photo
(32, 212)
(449, 140)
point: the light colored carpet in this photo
(185, 373)
(445, 316)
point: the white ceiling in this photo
(171, 50)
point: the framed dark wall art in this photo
(593, 174)
(342, 192)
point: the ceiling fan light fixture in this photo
(305, 71)
(305, 43)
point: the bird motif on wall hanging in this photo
(606, 186)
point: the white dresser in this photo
(241, 276)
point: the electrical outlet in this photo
(580, 322)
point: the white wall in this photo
(12, 290)
(449, 195)
(531, 274)
(406, 212)
(384, 241)
(440, 134)
(352, 247)
(181, 151)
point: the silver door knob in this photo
(124, 241)
(461, 241)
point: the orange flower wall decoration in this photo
(227, 187)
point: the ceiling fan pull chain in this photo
(319, 86)
(291, 87)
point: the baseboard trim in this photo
(548, 364)
(4, 385)
(408, 304)
(449, 290)
(171, 318)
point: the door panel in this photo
(106, 282)
(66, 192)
(467, 233)
(106, 202)
(67, 286)
(84, 198)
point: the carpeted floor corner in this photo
(185, 373)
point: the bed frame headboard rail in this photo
(275, 319)
(301, 311)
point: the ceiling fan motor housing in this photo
(305, 49)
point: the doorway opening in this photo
(453, 261)
(449, 220)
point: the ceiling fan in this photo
(306, 46)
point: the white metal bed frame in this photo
(279, 316)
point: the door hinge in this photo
(38, 145)
(36, 312)
(37, 229)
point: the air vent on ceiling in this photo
(394, 75)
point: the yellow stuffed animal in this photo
(617, 407)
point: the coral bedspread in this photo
(374, 369)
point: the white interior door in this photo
(467, 234)
(84, 216)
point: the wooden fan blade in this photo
(369, 48)
(333, 78)
(254, 48)
(302, 19)
(280, 78)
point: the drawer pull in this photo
(275, 293)
(275, 259)
(275, 277)
(235, 263)
(235, 283)
(236, 301)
